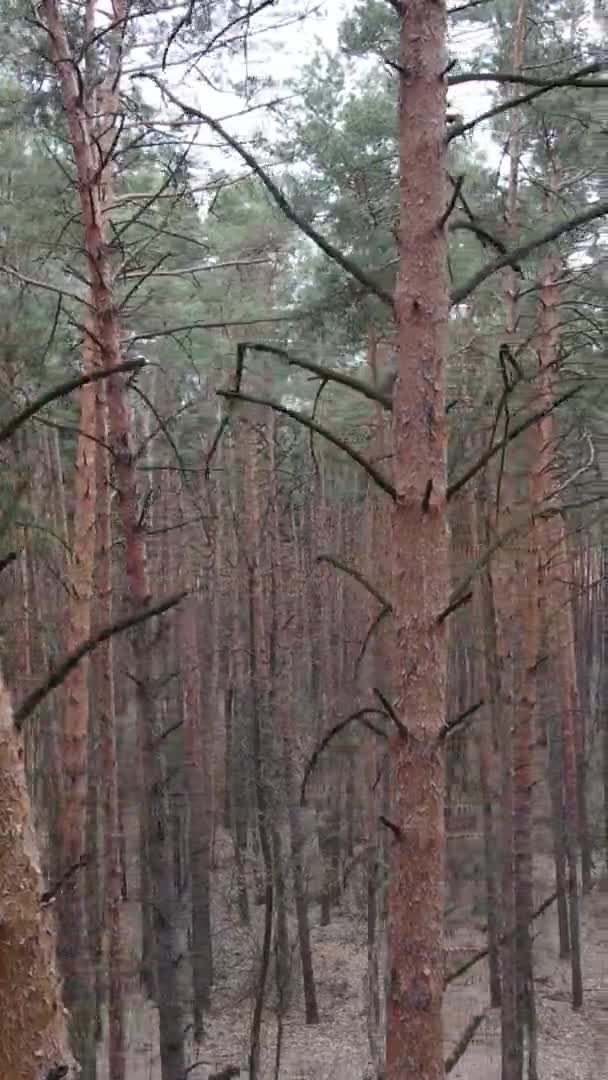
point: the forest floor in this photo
(572, 1046)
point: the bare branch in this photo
(281, 201)
(488, 454)
(461, 129)
(516, 255)
(464, 1042)
(451, 725)
(219, 324)
(181, 271)
(453, 606)
(482, 953)
(63, 389)
(58, 674)
(465, 7)
(530, 80)
(457, 184)
(357, 576)
(35, 283)
(382, 698)
(375, 474)
(373, 626)
(330, 374)
(359, 715)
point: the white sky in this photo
(282, 53)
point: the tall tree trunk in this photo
(505, 577)
(260, 660)
(106, 722)
(199, 832)
(77, 964)
(503, 588)
(420, 560)
(285, 699)
(107, 338)
(483, 615)
(34, 1038)
(560, 628)
(523, 786)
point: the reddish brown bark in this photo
(74, 953)
(483, 617)
(106, 723)
(260, 661)
(524, 779)
(199, 822)
(420, 560)
(34, 1038)
(284, 574)
(107, 337)
(558, 610)
(503, 575)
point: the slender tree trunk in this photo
(560, 636)
(420, 561)
(107, 339)
(106, 721)
(285, 699)
(503, 587)
(523, 786)
(483, 617)
(76, 962)
(199, 833)
(260, 659)
(240, 684)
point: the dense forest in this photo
(304, 546)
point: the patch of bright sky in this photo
(283, 51)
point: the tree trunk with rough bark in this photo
(199, 831)
(77, 963)
(558, 611)
(112, 955)
(107, 339)
(420, 560)
(34, 1038)
(483, 616)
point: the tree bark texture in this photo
(34, 1037)
(420, 560)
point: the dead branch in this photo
(57, 675)
(450, 725)
(453, 606)
(458, 182)
(318, 430)
(461, 129)
(516, 255)
(329, 374)
(463, 1042)
(359, 715)
(482, 953)
(488, 454)
(531, 80)
(53, 890)
(279, 198)
(375, 623)
(357, 576)
(62, 390)
(388, 708)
